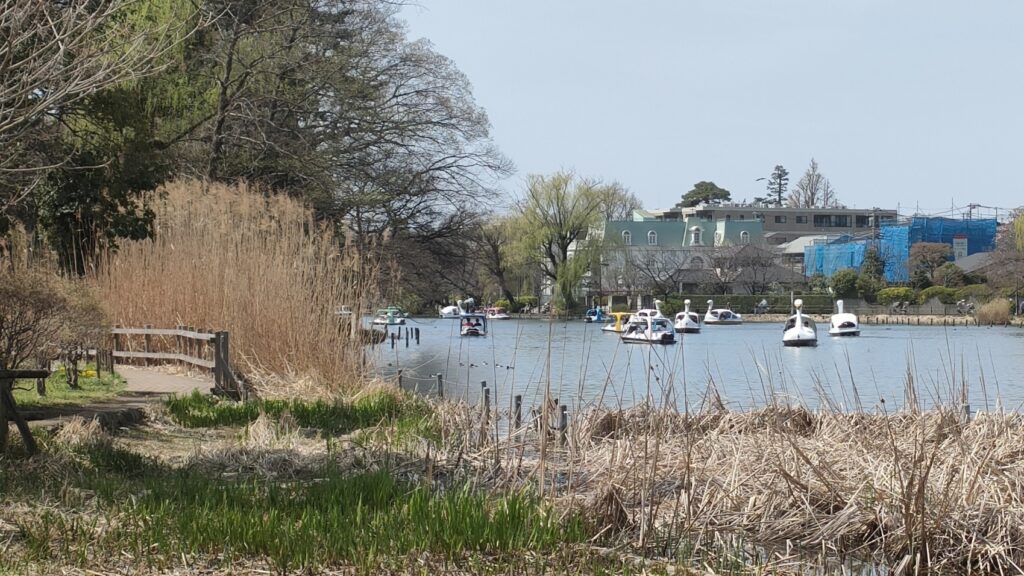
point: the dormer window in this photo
(695, 236)
(652, 238)
(627, 238)
(744, 237)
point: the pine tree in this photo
(777, 184)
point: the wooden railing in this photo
(183, 345)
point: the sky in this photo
(915, 104)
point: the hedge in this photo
(898, 294)
(945, 295)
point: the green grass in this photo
(338, 417)
(148, 511)
(92, 389)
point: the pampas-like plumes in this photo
(258, 266)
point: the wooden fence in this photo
(183, 345)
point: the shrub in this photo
(996, 311)
(868, 287)
(896, 294)
(949, 275)
(978, 292)
(945, 295)
(844, 283)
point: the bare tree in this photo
(813, 190)
(53, 54)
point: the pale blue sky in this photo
(918, 102)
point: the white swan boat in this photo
(687, 322)
(451, 312)
(650, 331)
(799, 330)
(843, 323)
(643, 313)
(721, 316)
(617, 322)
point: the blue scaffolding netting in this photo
(897, 240)
(894, 245)
(828, 259)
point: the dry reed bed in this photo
(909, 490)
(231, 258)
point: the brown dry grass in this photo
(911, 490)
(231, 258)
(995, 312)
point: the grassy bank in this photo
(92, 388)
(143, 510)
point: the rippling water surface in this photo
(741, 366)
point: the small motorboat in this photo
(473, 324)
(390, 316)
(843, 323)
(799, 330)
(594, 315)
(650, 331)
(721, 316)
(687, 322)
(497, 313)
(616, 322)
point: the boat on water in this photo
(451, 312)
(497, 313)
(721, 316)
(390, 316)
(617, 322)
(687, 322)
(473, 324)
(800, 329)
(843, 323)
(594, 315)
(650, 331)
(643, 313)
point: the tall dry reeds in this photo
(231, 258)
(996, 312)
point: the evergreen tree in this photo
(777, 184)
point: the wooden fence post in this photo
(147, 342)
(440, 385)
(177, 344)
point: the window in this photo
(744, 237)
(652, 238)
(743, 216)
(841, 221)
(823, 220)
(728, 216)
(801, 219)
(781, 219)
(695, 236)
(627, 238)
(696, 263)
(863, 221)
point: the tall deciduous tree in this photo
(704, 192)
(813, 190)
(926, 257)
(558, 211)
(778, 182)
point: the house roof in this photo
(796, 247)
(974, 262)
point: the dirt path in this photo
(142, 386)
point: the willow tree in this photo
(558, 212)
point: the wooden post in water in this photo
(563, 423)
(517, 411)
(400, 379)
(406, 337)
(417, 335)
(440, 385)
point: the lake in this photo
(742, 366)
